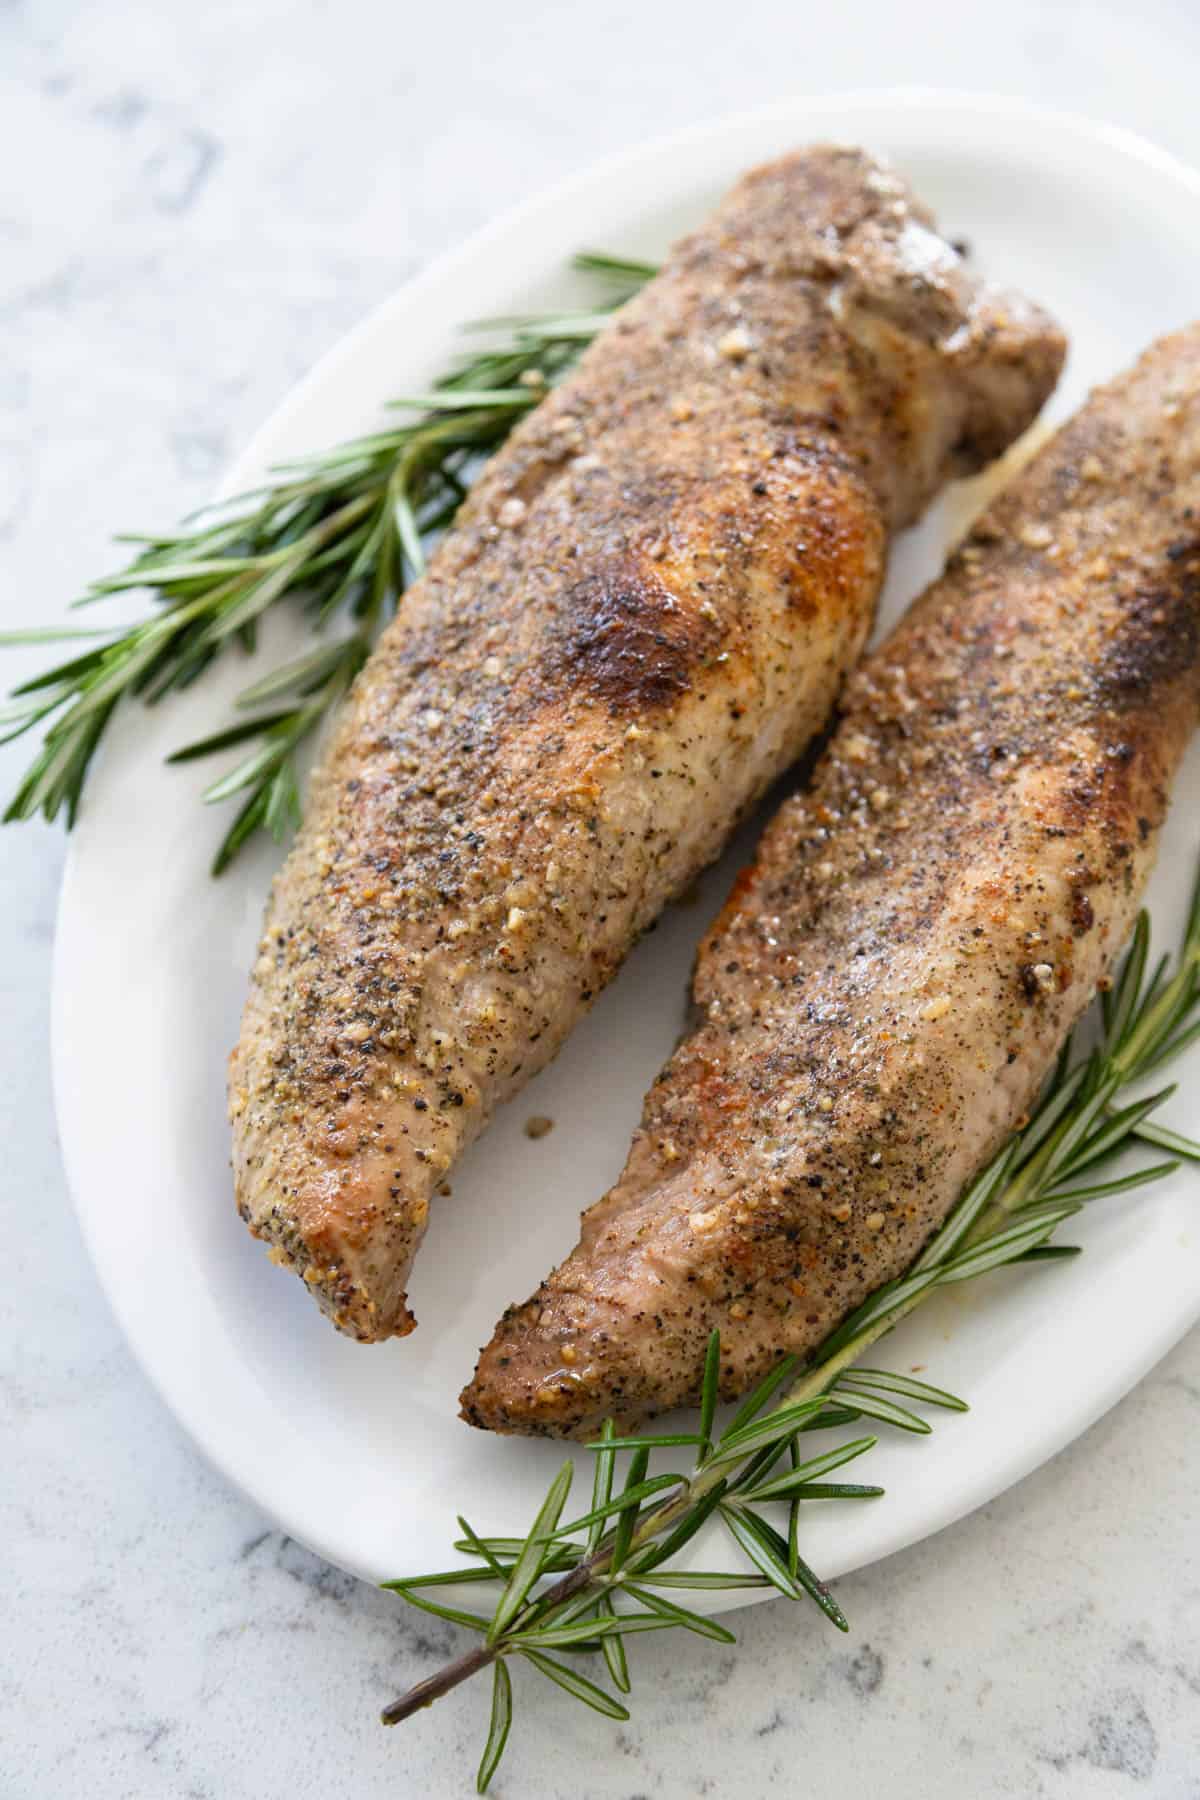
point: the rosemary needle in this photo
(588, 1586)
(339, 535)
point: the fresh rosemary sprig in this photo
(341, 534)
(584, 1587)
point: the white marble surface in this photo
(194, 202)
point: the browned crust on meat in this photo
(888, 984)
(644, 611)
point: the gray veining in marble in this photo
(195, 201)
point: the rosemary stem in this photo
(434, 1686)
(822, 1375)
(1129, 1055)
(585, 1574)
